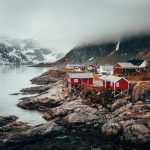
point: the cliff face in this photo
(110, 53)
(27, 51)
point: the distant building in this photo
(138, 62)
(115, 83)
(105, 70)
(118, 85)
(73, 66)
(80, 78)
(123, 68)
(132, 66)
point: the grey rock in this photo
(111, 129)
(137, 133)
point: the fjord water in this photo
(12, 79)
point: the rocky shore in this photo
(80, 121)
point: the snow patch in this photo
(117, 46)
(91, 59)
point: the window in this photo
(100, 83)
(75, 80)
(117, 84)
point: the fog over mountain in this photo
(63, 24)
(27, 51)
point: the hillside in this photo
(110, 52)
(27, 51)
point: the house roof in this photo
(127, 65)
(136, 62)
(113, 79)
(82, 75)
(107, 67)
(73, 65)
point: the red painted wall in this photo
(91, 81)
(117, 69)
(75, 83)
(106, 84)
(123, 85)
(84, 81)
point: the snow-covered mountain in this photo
(28, 51)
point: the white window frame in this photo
(76, 80)
(117, 84)
(100, 83)
(111, 83)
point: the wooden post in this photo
(114, 90)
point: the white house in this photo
(105, 70)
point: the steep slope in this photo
(10, 54)
(144, 55)
(110, 52)
(27, 51)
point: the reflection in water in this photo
(12, 79)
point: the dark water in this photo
(12, 79)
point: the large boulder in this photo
(118, 103)
(122, 109)
(33, 103)
(136, 133)
(43, 80)
(31, 136)
(141, 91)
(5, 120)
(81, 117)
(111, 129)
(35, 90)
(145, 95)
(44, 129)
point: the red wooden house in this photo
(116, 84)
(123, 68)
(79, 78)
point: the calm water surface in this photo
(12, 79)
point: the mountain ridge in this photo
(27, 51)
(110, 52)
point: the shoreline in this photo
(87, 124)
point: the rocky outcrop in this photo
(35, 90)
(118, 103)
(9, 125)
(53, 136)
(34, 134)
(141, 91)
(85, 121)
(111, 129)
(122, 119)
(137, 133)
(76, 112)
(51, 76)
(130, 123)
(7, 120)
(33, 103)
(43, 80)
(44, 101)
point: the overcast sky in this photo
(63, 24)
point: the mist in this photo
(64, 24)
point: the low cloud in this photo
(63, 24)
